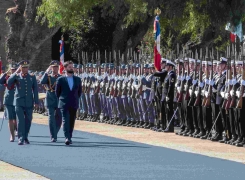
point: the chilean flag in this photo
(62, 53)
(157, 56)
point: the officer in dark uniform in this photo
(219, 100)
(26, 96)
(51, 101)
(158, 95)
(168, 95)
(8, 101)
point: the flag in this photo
(239, 32)
(235, 31)
(157, 56)
(62, 54)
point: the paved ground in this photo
(94, 156)
(186, 144)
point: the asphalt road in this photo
(93, 156)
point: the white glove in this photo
(178, 89)
(196, 93)
(182, 78)
(238, 93)
(167, 98)
(211, 82)
(226, 95)
(143, 87)
(124, 85)
(231, 92)
(188, 78)
(202, 92)
(243, 82)
(201, 85)
(194, 81)
(185, 87)
(222, 94)
(190, 91)
(206, 94)
(118, 85)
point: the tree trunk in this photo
(27, 37)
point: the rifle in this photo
(208, 99)
(227, 102)
(234, 88)
(198, 98)
(207, 77)
(180, 96)
(97, 89)
(140, 87)
(187, 95)
(191, 102)
(239, 103)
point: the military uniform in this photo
(51, 102)
(26, 96)
(2, 89)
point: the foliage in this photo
(196, 22)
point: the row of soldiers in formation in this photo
(196, 92)
(135, 95)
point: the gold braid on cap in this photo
(157, 11)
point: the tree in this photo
(26, 36)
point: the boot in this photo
(202, 133)
(145, 125)
(150, 125)
(196, 132)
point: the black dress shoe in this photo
(196, 132)
(145, 125)
(184, 132)
(201, 133)
(140, 124)
(224, 139)
(67, 142)
(70, 141)
(150, 125)
(205, 136)
(53, 140)
(27, 141)
(232, 140)
(161, 129)
(171, 130)
(180, 132)
(136, 124)
(127, 123)
(20, 142)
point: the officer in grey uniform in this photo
(8, 101)
(26, 96)
(2, 89)
(51, 101)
